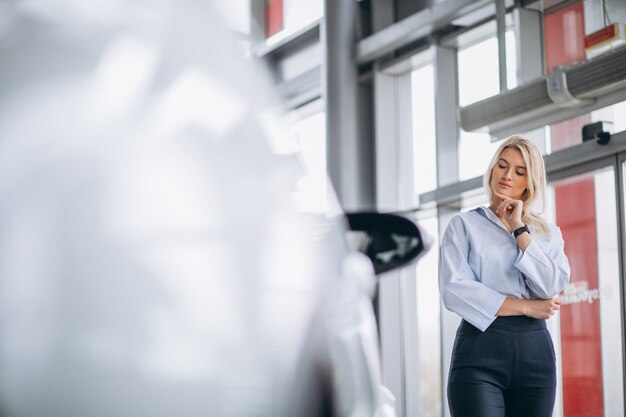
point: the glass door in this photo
(588, 330)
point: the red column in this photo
(564, 41)
(576, 215)
(273, 17)
(580, 322)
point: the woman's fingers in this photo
(505, 200)
(504, 206)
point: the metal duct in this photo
(591, 79)
(507, 105)
(601, 75)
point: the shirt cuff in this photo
(490, 307)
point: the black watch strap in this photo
(520, 230)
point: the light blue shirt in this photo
(480, 265)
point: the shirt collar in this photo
(487, 213)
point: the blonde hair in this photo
(536, 172)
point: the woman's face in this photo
(509, 176)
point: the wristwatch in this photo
(520, 230)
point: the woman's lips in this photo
(501, 184)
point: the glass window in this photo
(479, 79)
(429, 322)
(475, 152)
(479, 76)
(613, 115)
(478, 71)
(299, 13)
(587, 331)
(568, 132)
(310, 134)
(424, 138)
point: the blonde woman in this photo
(501, 268)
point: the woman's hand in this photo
(542, 309)
(511, 210)
(537, 309)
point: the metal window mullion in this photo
(447, 151)
(501, 35)
(620, 183)
(408, 290)
(388, 197)
(528, 26)
(576, 170)
(257, 23)
(567, 158)
(346, 161)
(412, 28)
(446, 120)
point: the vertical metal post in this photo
(389, 126)
(620, 186)
(349, 163)
(257, 23)
(528, 26)
(448, 130)
(530, 47)
(388, 131)
(447, 125)
(501, 28)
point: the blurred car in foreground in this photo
(152, 259)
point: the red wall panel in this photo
(580, 322)
(273, 17)
(564, 43)
(564, 36)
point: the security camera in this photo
(600, 131)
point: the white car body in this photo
(152, 260)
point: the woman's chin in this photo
(506, 192)
(501, 190)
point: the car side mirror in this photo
(390, 241)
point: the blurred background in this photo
(173, 178)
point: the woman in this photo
(500, 269)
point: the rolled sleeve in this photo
(546, 269)
(461, 291)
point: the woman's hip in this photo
(513, 350)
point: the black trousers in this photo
(507, 371)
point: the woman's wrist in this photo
(517, 225)
(513, 307)
(523, 307)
